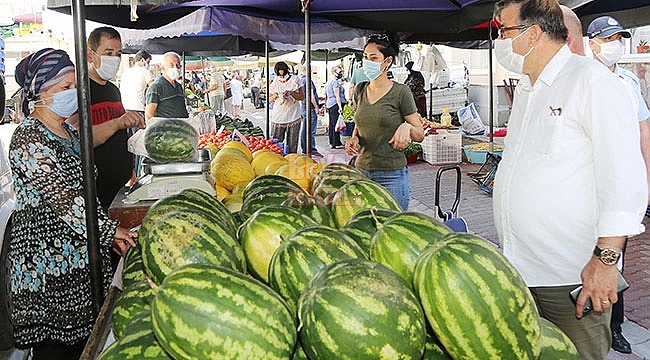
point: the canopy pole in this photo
(491, 95)
(268, 79)
(87, 156)
(308, 91)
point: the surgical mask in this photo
(173, 73)
(372, 69)
(610, 52)
(109, 66)
(64, 103)
(506, 56)
(339, 76)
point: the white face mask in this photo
(506, 56)
(610, 52)
(173, 73)
(108, 67)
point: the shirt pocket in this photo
(547, 135)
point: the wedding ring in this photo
(604, 302)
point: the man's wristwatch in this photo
(607, 256)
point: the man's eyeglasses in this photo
(503, 29)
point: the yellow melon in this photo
(263, 160)
(314, 169)
(231, 151)
(274, 166)
(303, 160)
(238, 189)
(230, 169)
(221, 191)
(292, 156)
(259, 152)
(233, 202)
(241, 147)
(297, 173)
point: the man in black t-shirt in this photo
(109, 119)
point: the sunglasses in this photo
(383, 37)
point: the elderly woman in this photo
(51, 306)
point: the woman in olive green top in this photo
(386, 120)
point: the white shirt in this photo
(237, 90)
(133, 85)
(633, 81)
(286, 109)
(217, 80)
(572, 170)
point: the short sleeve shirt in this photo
(633, 81)
(376, 124)
(170, 99)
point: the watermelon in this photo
(133, 270)
(359, 309)
(184, 237)
(433, 350)
(353, 173)
(191, 199)
(304, 253)
(475, 301)
(133, 300)
(137, 343)
(332, 181)
(363, 225)
(555, 344)
(262, 233)
(312, 207)
(358, 195)
(400, 240)
(171, 140)
(264, 181)
(205, 312)
(271, 195)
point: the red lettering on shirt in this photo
(105, 111)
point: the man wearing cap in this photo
(606, 43)
(564, 200)
(415, 82)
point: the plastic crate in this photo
(442, 148)
(478, 156)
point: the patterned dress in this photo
(48, 257)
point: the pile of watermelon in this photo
(334, 272)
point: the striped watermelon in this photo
(363, 225)
(556, 345)
(206, 312)
(434, 351)
(476, 302)
(270, 195)
(359, 309)
(133, 270)
(137, 343)
(312, 207)
(305, 253)
(171, 140)
(263, 232)
(400, 240)
(186, 237)
(264, 181)
(133, 300)
(328, 183)
(359, 195)
(191, 200)
(348, 171)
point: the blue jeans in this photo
(312, 138)
(396, 182)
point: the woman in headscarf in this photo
(50, 295)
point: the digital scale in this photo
(162, 180)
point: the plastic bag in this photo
(470, 120)
(340, 124)
(136, 143)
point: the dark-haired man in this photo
(562, 220)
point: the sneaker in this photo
(315, 153)
(647, 211)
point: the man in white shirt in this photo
(134, 82)
(571, 186)
(217, 91)
(606, 43)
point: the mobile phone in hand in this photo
(588, 308)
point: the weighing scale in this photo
(162, 180)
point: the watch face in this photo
(609, 256)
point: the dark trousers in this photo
(618, 309)
(54, 350)
(255, 96)
(334, 136)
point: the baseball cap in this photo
(606, 26)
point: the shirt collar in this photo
(551, 70)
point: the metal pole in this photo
(308, 93)
(268, 78)
(87, 155)
(491, 96)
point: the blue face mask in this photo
(64, 103)
(371, 69)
